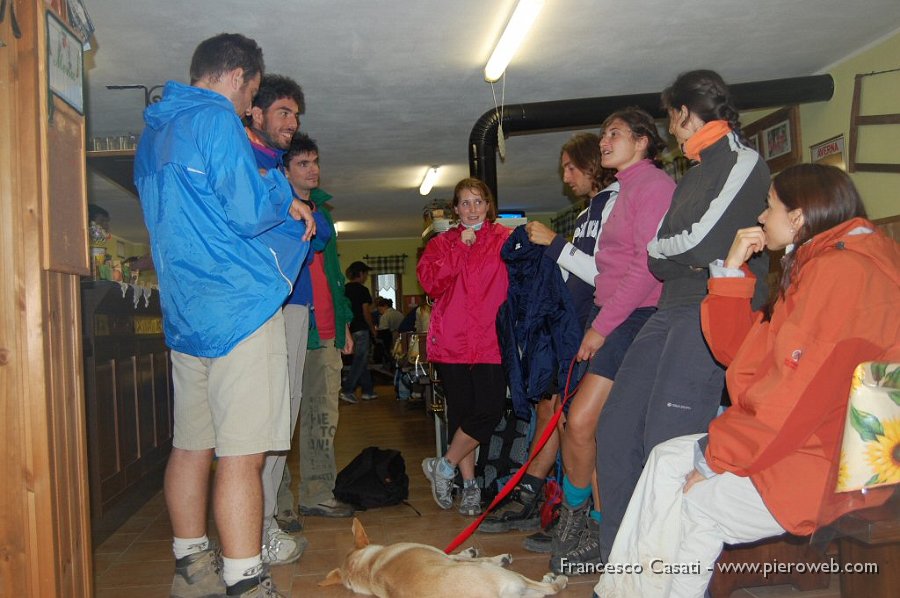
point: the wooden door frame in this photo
(45, 532)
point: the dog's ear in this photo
(332, 579)
(360, 538)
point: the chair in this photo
(866, 536)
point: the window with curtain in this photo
(386, 275)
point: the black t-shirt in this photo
(358, 294)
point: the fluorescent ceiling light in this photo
(519, 24)
(428, 180)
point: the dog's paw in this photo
(558, 581)
(470, 552)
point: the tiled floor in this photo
(136, 561)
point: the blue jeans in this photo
(359, 370)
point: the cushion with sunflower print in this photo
(870, 452)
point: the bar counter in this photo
(128, 391)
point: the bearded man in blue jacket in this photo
(227, 243)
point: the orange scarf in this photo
(705, 137)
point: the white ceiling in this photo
(395, 86)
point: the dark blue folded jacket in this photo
(537, 325)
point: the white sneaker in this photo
(280, 548)
(441, 487)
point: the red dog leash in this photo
(545, 436)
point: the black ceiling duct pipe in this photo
(580, 113)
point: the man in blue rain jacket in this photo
(227, 247)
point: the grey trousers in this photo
(318, 424)
(669, 385)
(276, 490)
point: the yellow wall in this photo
(351, 250)
(822, 120)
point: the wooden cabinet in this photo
(128, 390)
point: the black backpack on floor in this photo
(374, 478)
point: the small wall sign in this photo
(830, 151)
(65, 66)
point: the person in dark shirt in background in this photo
(362, 329)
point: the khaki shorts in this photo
(238, 404)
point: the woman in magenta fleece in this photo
(625, 297)
(462, 270)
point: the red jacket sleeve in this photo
(441, 263)
(794, 372)
(726, 315)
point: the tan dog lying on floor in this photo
(408, 570)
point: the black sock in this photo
(532, 484)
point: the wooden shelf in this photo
(114, 165)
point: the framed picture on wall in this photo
(753, 142)
(777, 138)
(777, 141)
(81, 22)
(65, 65)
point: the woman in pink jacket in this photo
(462, 270)
(625, 297)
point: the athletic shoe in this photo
(288, 521)
(261, 586)
(368, 396)
(470, 501)
(329, 508)
(520, 511)
(441, 487)
(198, 575)
(280, 548)
(348, 397)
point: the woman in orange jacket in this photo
(767, 464)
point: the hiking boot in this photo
(441, 487)
(586, 552)
(542, 541)
(348, 397)
(520, 511)
(198, 575)
(288, 521)
(470, 501)
(280, 548)
(328, 508)
(567, 534)
(260, 586)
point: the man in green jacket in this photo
(328, 338)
